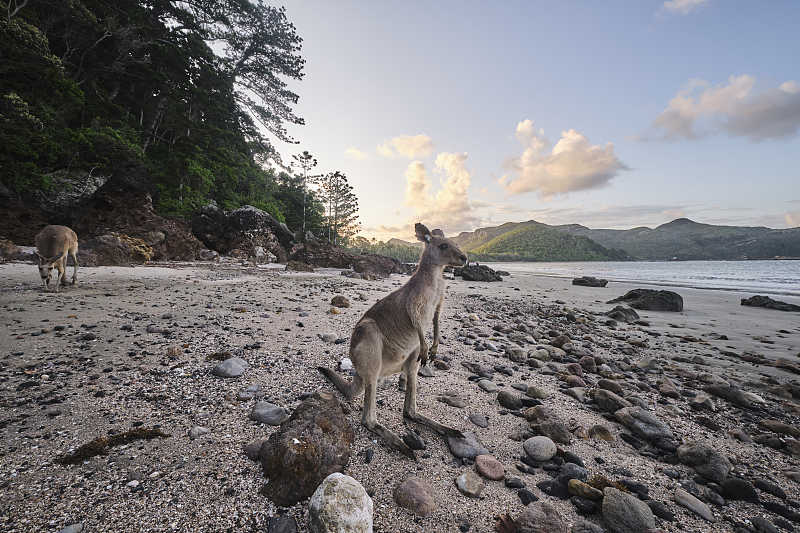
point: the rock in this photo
(470, 484)
(281, 524)
(477, 273)
(601, 432)
(608, 401)
(651, 300)
(705, 460)
(770, 488)
(114, 248)
(776, 426)
(299, 266)
(340, 301)
(72, 528)
(468, 447)
(644, 424)
(734, 488)
(685, 499)
(769, 303)
(416, 495)
(611, 385)
(576, 487)
(479, 420)
(487, 385)
(198, 431)
(584, 526)
(246, 228)
(536, 392)
(735, 395)
(661, 510)
(340, 505)
(540, 448)
(253, 449)
(233, 367)
(489, 467)
(268, 413)
(526, 497)
(623, 314)
(313, 443)
(540, 517)
(588, 364)
(625, 513)
(452, 400)
(413, 440)
(589, 281)
(509, 400)
(762, 525)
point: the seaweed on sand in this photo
(100, 445)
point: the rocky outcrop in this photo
(314, 443)
(589, 281)
(114, 249)
(769, 303)
(246, 231)
(477, 273)
(325, 255)
(651, 300)
(68, 189)
(129, 214)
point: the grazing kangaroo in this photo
(390, 337)
(53, 244)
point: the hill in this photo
(685, 239)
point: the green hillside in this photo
(532, 241)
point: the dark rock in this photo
(413, 441)
(541, 517)
(770, 488)
(325, 436)
(509, 400)
(467, 447)
(246, 229)
(584, 506)
(624, 513)
(735, 488)
(705, 460)
(651, 300)
(644, 424)
(661, 510)
(769, 303)
(527, 497)
(477, 273)
(281, 524)
(589, 281)
(735, 395)
(762, 525)
(623, 314)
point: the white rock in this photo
(340, 505)
(346, 364)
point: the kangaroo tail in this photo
(349, 388)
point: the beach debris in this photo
(101, 445)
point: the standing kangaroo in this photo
(390, 337)
(53, 244)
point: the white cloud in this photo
(573, 164)
(355, 153)
(793, 219)
(449, 208)
(410, 146)
(700, 109)
(683, 7)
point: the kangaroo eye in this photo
(443, 246)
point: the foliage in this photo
(341, 207)
(395, 248)
(132, 89)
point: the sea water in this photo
(765, 277)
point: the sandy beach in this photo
(83, 363)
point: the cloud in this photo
(410, 146)
(793, 219)
(355, 153)
(683, 7)
(449, 208)
(700, 109)
(573, 164)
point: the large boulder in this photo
(130, 212)
(621, 313)
(312, 444)
(325, 255)
(340, 505)
(252, 231)
(651, 300)
(115, 249)
(477, 273)
(68, 189)
(769, 303)
(589, 281)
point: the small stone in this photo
(198, 431)
(625, 513)
(540, 448)
(536, 392)
(339, 504)
(693, 504)
(470, 484)
(479, 420)
(468, 447)
(584, 526)
(232, 367)
(705, 460)
(661, 510)
(340, 301)
(281, 524)
(487, 385)
(413, 441)
(509, 400)
(577, 487)
(416, 495)
(541, 517)
(734, 488)
(526, 496)
(268, 413)
(72, 528)
(489, 467)
(514, 483)
(601, 432)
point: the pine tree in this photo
(341, 206)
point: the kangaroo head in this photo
(45, 267)
(439, 250)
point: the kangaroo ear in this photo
(437, 233)
(39, 258)
(423, 233)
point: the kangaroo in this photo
(53, 244)
(390, 338)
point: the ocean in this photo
(762, 277)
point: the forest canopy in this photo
(181, 98)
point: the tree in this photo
(305, 162)
(341, 206)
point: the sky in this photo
(608, 114)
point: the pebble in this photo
(625, 513)
(693, 504)
(230, 368)
(479, 420)
(468, 447)
(489, 467)
(540, 448)
(487, 385)
(416, 495)
(268, 413)
(470, 484)
(198, 431)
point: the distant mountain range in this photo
(682, 239)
